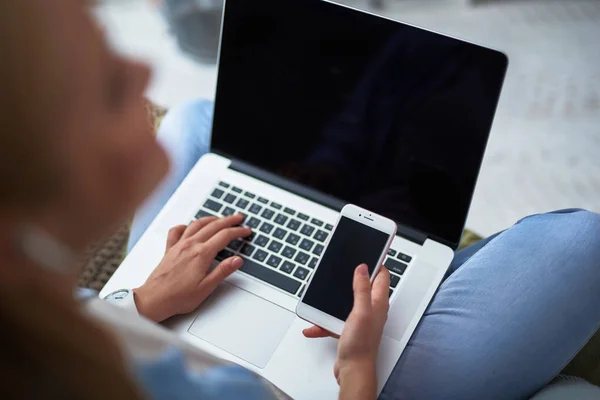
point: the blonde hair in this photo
(49, 350)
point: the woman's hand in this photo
(359, 343)
(182, 281)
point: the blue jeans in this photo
(511, 314)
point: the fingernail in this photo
(237, 262)
(363, 270)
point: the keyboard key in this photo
(247, 249)
(316, 222)
(318, 249)
(229, 198)
(235, 245)
(267, 214)
(287, 267)
(395, 266)
(313, 263)
(263, 200)
(253, 222)
(269, 276)
(306, 244)
(274, 261)
(294, 224)
(251, 237)
(255, 208)
(279, 233)
(202, 214)
(228, 211)
(303, 217)
(390, 294)
(250, 195)
(301, 291)
(288, 252)
(321, 236)
(275, 246)
(276, 205)
(261, 241)
(292, 239)
(223, 184)
(212, 205)
(223, 254)
(404, 257)
(329, 227)
(394, 280)
(288, 210)
(302, 258)
(217, 193)
(236, 189)
(280, 219)
(266, 227)
(260, 255)
(242, 203)
(392, 252)
(307, 230)
(301, 273)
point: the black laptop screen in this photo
(383, 115)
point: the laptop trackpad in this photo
(242, 324)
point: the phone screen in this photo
(352, 244)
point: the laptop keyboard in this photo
(285, 245)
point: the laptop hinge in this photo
(313, 195)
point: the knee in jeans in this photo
(584, 224)
(187, 118)
(191, 109)
(576, 235)
(573, 231)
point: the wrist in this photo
(357, 371)
(146, 305)
(359, 376)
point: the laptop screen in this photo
(376, 113)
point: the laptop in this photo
(319, 105)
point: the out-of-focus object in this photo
(197, 26)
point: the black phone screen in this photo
(352, 244)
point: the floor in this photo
(544, 151)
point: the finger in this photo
(220, 273)
(219, 241)
(362, 289)
(380, 292)
(174, 235)
(195, 226)
(218, 225)
(315, 332)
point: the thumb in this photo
(221, 272)
(362, 288)
(174, 235)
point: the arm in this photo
(358, 383)
(355, 366)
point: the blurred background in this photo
(544, 150)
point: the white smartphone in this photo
(359, 237)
